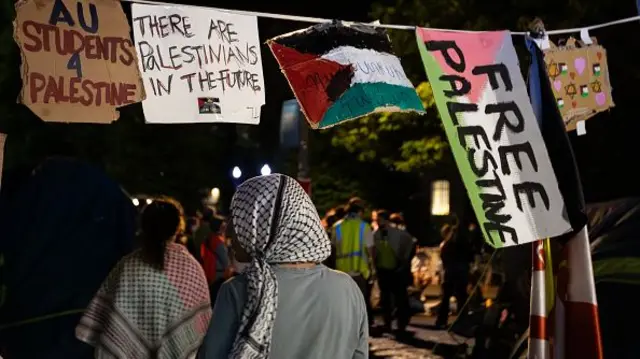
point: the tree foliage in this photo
(401, 141)
(337, 176)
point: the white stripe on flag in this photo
(370, 66)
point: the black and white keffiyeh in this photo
(275, 222)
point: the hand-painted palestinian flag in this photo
(339, 72)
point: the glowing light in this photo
(136, 202)
(265, 170)
(236, 173)
(215, 195)
(149, 201)
(440, 198)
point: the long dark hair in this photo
(161, 220)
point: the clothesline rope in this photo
(318, 20)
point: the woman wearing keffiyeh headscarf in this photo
(285, 304)
(155, 302)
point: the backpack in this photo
(385, 255)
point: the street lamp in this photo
(136, 202)
(149, 200)
(236, 173)
(265, 170)
(215, 195)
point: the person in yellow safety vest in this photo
(352, 239)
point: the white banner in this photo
(494, 135)
(198, 65)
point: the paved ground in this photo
(421, 344)
(424, 339)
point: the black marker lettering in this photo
(475, 132)
(491, 71)
(459, 85)
(502, 230)
(503, 121)
(515, 150)
(444, 47)
(456, 107)
(530, 188)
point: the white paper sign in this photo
(198, 65)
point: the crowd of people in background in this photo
(377, 251)
(293, 262)
(395, 261)
(373, 248)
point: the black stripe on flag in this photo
(322, 38)
(559, 147)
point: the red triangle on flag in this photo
(479, 48)
(316, 82)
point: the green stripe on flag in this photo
(432, 67)
(364, 98)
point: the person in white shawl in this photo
(155, 302)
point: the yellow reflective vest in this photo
(351, 249)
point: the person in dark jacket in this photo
(190, 232)
(455, 261)
(329, 220)
(340, 212)
(397, 220)
(393, 261)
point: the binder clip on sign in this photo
(579, 76)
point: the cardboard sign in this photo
(199, 65)
(579, 77)
(341, 72)
(78, 61)
(494, 135)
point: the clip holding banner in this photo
(543, 43)
(581, 128)
(584, 36)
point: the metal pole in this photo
(304, 172)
